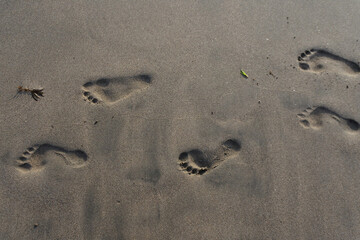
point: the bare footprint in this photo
(320, 60)
(197, 162)
(36, 157)
(316, 117)
(112, 90)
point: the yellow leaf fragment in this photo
(244, 74)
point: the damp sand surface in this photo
(148, 130)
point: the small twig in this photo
(35, 93)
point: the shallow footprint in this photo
(320, 60)
(316, 117)
(112, 90)
(197, 162)
(36, 157)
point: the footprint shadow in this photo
(316, 117)
(318, 60)
(36, 157)
(197, 162)
(112, 90)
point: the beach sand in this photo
(148, 130)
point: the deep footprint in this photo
(197, 162)
(318, 61)
(36, 157)
(112, 90)
(316, 117)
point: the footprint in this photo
(197, 162)
(316, 117)
(112, 90)
(320, 60)
(36, 157)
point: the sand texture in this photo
(133, 120)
